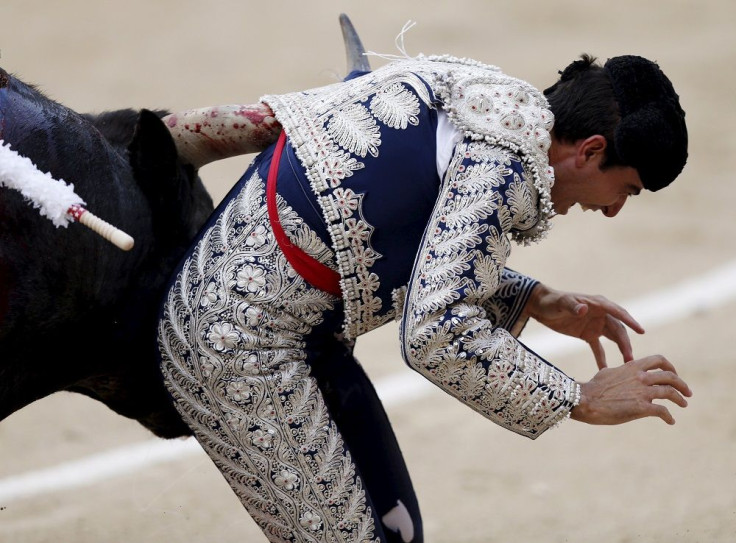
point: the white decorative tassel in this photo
(400, 38)
(54, 199)
(399, 42)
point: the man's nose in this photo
(613, 209)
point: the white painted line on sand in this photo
(701, 294)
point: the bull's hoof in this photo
(4, 78)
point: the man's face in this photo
(600, 190)
(580, 180)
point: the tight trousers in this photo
(253, 359)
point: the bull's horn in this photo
(214, 133)
(354, 50)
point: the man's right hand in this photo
(625, 393)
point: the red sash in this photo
(312, 271)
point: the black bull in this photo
(76, 313)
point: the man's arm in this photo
(447, 334)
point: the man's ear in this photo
(591, 150)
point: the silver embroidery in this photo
(398, 297)
(326, 125)
(332, 130)
(353, 128)
(453, 302)
(233, 359)
(395, 106)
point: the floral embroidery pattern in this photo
(460, 295)
(233, 359)
(222, 336)
(333, 130)
(331, 135)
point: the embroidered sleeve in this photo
(507, 303)
(452, 329)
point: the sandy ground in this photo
(643, 481)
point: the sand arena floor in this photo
(644, 481)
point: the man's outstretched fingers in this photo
(624, 316)
(616, 332)
(666, 392)
(598, 352)
(662, 412)
(657, 361)
(666, 378)
(628, 392)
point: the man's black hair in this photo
(633, 105)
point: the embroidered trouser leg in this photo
(364, 425)
(234, 358)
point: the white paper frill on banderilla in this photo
(54, 198)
